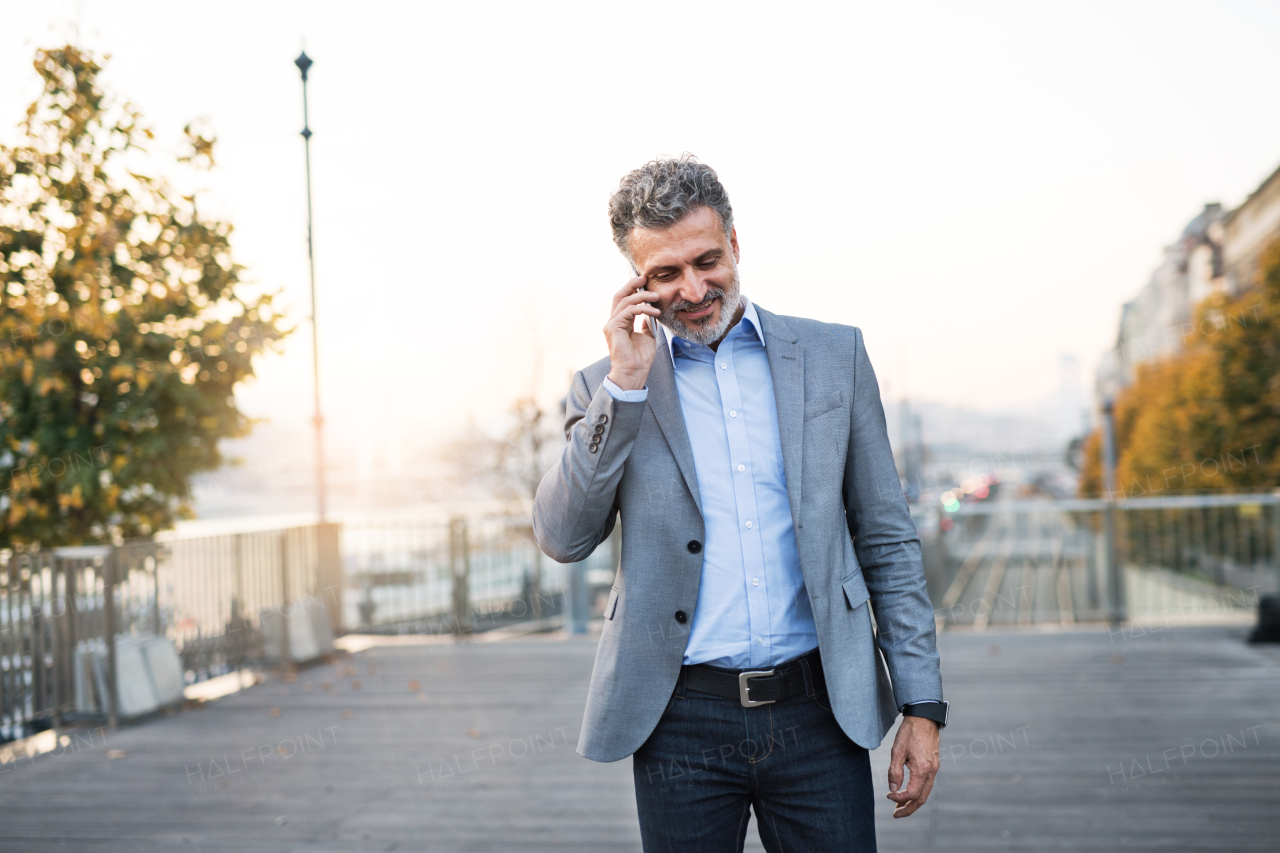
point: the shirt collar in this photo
(748, 316)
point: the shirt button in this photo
(722, 365)
(760, 641)
(748, 525)
(755, 581)
(733, 413)
(742, 467)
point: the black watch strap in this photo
(936, 711)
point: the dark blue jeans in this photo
(709, 760)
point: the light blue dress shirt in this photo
(753, 609)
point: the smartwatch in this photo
(936, 711)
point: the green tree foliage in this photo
(1208, 418)
(122, 336)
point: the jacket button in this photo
(695, 546)
(682, 617)
(604, 419)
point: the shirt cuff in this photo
(625, 396)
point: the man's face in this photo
(692, 266)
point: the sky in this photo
(979, 186)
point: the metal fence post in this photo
(285, 656)
(71, 582)
(155, 577)
(1115, 574)
(578, 597)
(460, 567)
(1275, 540)
(329, 571)
(1089, 543)
(39, 681)
(57, 638)
(535, 595)
(109, 620)
(238, 650)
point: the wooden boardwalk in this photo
(1077, 740)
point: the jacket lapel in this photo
(664, 402)
(786, 364)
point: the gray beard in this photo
(705, 334)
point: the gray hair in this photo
(661, 193)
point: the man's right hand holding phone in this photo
(630, 352)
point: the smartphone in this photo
(653, 324)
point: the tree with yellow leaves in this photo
(1209, 417)
(122, 334)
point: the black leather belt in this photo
(754, 687)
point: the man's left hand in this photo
(916, 746)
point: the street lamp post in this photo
(304, 62)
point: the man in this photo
(747, 456)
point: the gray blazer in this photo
(856, 540)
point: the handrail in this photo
(1099, 504)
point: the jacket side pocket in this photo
(855, 591)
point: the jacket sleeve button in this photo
(682, 617)
(695, 546)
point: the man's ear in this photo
(733, 243)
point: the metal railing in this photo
(463, 575)
(1029, 562)
(210, 595)
(215, 590)
(207, 596)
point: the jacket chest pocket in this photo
(821, 405)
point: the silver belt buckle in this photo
(744, 689)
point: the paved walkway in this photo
(1065, 741)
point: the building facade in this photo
(1218, 251)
